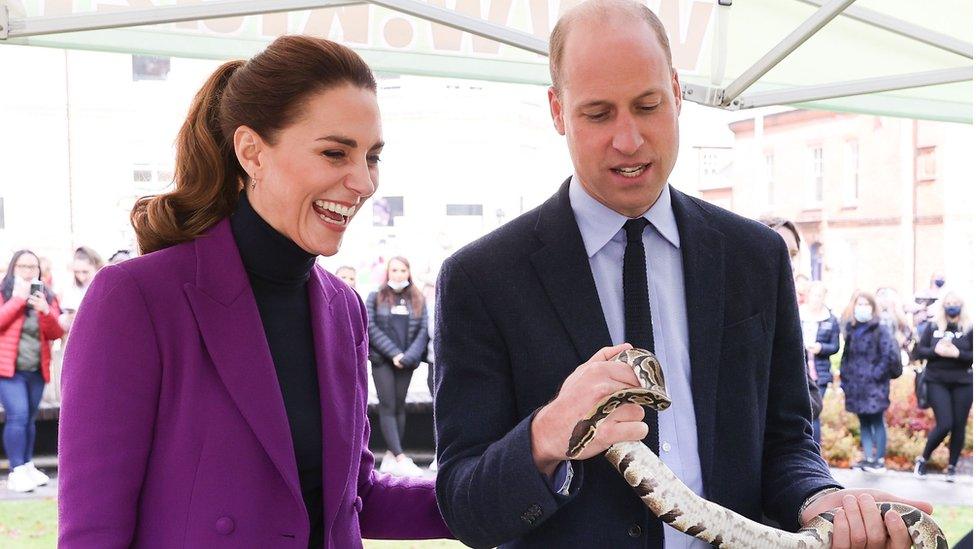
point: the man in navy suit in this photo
(529, 315)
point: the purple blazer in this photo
(173, 430)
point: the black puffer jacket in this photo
(383, 345)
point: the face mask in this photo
(939, 282)
(397, 286)
(953, 310)
(862, 313)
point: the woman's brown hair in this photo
(413, 294)
(848, 317)
(265, 94)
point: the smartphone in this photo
(36, 286)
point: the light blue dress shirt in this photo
(605, 240)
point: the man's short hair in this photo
(603, 9)
(775, 223)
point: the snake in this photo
(679, 507)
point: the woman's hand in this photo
(39, 303)
(21, 288)
(397, 359)
(945, 348)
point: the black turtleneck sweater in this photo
(278, 270)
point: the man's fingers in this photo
(874, 527)
(626, 413)
(613, 432)
(897, 530)
(852, 511)
(842, 531)
(608, 353)
(885, 496)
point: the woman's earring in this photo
(254, 183)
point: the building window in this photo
(713, 167)
(926, 168)
(816, 261)
(816, 174)
(464, 209)
(768, 175)
(148, 67)
(142, 175)
(852, 167)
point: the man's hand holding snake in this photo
(860, 523)
(588, 384)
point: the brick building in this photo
(879, 201)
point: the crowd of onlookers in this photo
(877, 335)
(35, 313)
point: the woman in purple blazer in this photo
(215, 389)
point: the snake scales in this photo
(677, 506)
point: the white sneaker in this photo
(389, 463)
(407, 468)
(36, 475)
(19, 480)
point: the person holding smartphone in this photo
(28, 324)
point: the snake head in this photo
(648, 370)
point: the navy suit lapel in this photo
(230, 324)
(564, 270)
(702, 253)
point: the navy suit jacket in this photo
(518, 311)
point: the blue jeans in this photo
(874, 436)
(816, 420)
(20, 397)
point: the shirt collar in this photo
(598, 224)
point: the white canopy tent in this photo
(888, 57)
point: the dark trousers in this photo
(816, 420)
(951, 403)
(20, 396)
(391, 390)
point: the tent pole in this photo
(806, 29)
(904, 28)
(854, 87)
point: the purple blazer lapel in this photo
(336, 356)
(227, 315)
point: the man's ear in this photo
(676, 88)
(556, 110)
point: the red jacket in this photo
(12, 322)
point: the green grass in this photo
(956, 521)
(33, 524)
(29, 524)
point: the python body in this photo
(677, 506)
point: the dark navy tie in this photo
(639, 331)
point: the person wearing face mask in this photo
(28, 325)
(397, 343)
(870, 361)
(215, 388)
(947, 345)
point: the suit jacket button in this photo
(225, 525)
(532, 514)
(358, 504)
(635, 531)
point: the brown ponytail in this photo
(263, 94)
